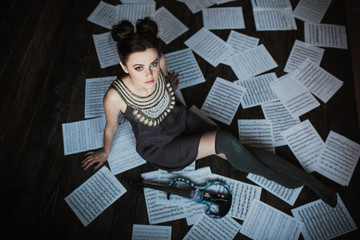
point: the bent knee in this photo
(206, 145)
(225, 142)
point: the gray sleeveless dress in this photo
(167, 134)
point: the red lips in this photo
(150, 82)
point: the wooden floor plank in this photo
(12, 18)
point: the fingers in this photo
(88, 153)
(87, 158)
(174, 77)
(91, 163)
(174, 80)
(88, 163)
(92, 158)
(98, 165)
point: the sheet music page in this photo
(184, 63)
(300, 52)
(106, 50)
(266, 222)
(83, 135)
(338, 158)
(104, 15)
(274, 4)
(242, 195)
(193, 209)
(92, 197)
(252, 62)
(198, 177)
(208, 46)
(155, 232)
(123, 155)
(280, 118)
(258, 90)
(192, 5)
(218, 2)
(274, 19)
(138, 1)
(311, 11)
(223, 100)
(206, 3)
(209, 228)
(296, 98)
(202, 115)
(95, 89)
(320, 82)
(133, 12)
(288, 195)
(322, 221)
(256, 133)
(197, 6)
(273, 15)
(223, 18)
(325, 35)
(306, 144)
(169, 26)
(239, 43)
(159, 213)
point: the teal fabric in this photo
(270, 166)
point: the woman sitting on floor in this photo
(167, 134)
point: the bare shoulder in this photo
(112, 95)
(113, 101)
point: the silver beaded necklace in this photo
(150, 110)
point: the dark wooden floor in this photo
(47, 51)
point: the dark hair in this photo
(129, 41)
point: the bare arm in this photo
(112, 105)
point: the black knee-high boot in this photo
(281, 165)
(241, 159)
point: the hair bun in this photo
(122, 30)
(146, 25)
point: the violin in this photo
(215, 194)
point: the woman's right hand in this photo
(174, 80)
(98, 157)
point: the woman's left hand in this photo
(174, 80)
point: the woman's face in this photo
(143, 68)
